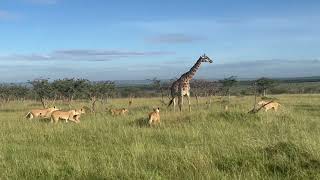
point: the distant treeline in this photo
(70, 89)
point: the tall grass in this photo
(207, 143)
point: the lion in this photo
(122, 111)
(41, 113)
(154, 117)
(72, 115)
(77, 117)
(269, 105)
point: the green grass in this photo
(205, 144)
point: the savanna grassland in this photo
(207, 143)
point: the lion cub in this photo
(154, 117)
(41, 113)
(72, 115)
(272, 105)
(122, 111)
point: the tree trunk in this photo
(93, 103)
(197, 98)
(53, 101)
(70, 101)
(264, 92)
(43, 101)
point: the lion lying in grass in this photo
(154, 117)
(72, 115)
(41, 113)
(272, 105)
(122, 111)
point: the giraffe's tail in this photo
(171, 101)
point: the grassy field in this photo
(207, 143)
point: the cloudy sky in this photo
(142, 39)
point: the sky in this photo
(142, 39)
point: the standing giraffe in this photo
(181, 87)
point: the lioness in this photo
(122, 111)
(77, 117)
(43, 113)
(72, 115)
(154, 117)
(272, 105)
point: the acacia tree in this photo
(158, 86)
(213, 87)
(99, 90)
(199, 87)
(129, 92)
(43, 89)
(69, 88)
(206, 88)
(227, 84)
(18, 92)
(64, 88)
(4, 93)
(263, 84)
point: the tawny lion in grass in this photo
(122, 111)
(272, 105)
(154, 117)
(41, 113)
(77, 117)
(72, 115)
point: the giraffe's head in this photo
(205, 58)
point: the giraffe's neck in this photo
(193, 70)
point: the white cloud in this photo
(83, 55)
(174, 38)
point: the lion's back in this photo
(272, 105)
(60, 114)
(39, 112)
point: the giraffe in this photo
(181, 87)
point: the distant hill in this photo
(300, 79)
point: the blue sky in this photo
(115, 40)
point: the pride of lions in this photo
(55, 114)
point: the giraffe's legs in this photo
(180, 102)
(189, 103)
